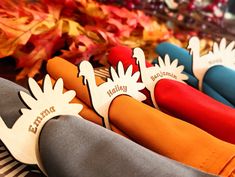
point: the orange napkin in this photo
(155, 130)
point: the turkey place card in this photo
(220, 55)
(120, 83)
(164, 70)
(22, 139)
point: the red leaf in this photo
(44, 46)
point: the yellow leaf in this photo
(133, 42)
(72, 28)
(93, 36)
(44, 25)
(8, 46)
(154, 31)
(92, 9)
(17, 32)
(13, 28)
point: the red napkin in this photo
(193, 106)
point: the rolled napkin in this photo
(174, 52)
(155, 130)
(10, 101)
(74, 147)
(221, 79)
(124, 54)
(191, 105)
(187, 103)
(211, 86)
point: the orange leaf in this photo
(43, 47)
(16, 30)
(30, 71)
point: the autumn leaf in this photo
(30, 71)
(122, 19)
(16, 30)
(108, 37)
(34, 31)
(54, 7)
(91, 8)
(11, 37)
(82, 49)
(72, 28)
(114, 11)
(123, 30)
(43, 47)
(155, 32)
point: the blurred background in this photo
(34, 31)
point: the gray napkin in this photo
(74, 147)
(10, 103)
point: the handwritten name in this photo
(217, 61)
(162, 74)
(33, 128)
(116, 89)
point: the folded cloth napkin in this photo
(124, 54)
(217, 80)
(74, 147)
(187, 103)
(70, 146)
(221, 79)
(191, 105)
(10, 101)
(155, 130)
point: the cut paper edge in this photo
(221, 54)
(120, 82)
(43, 104)
(165, 69)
